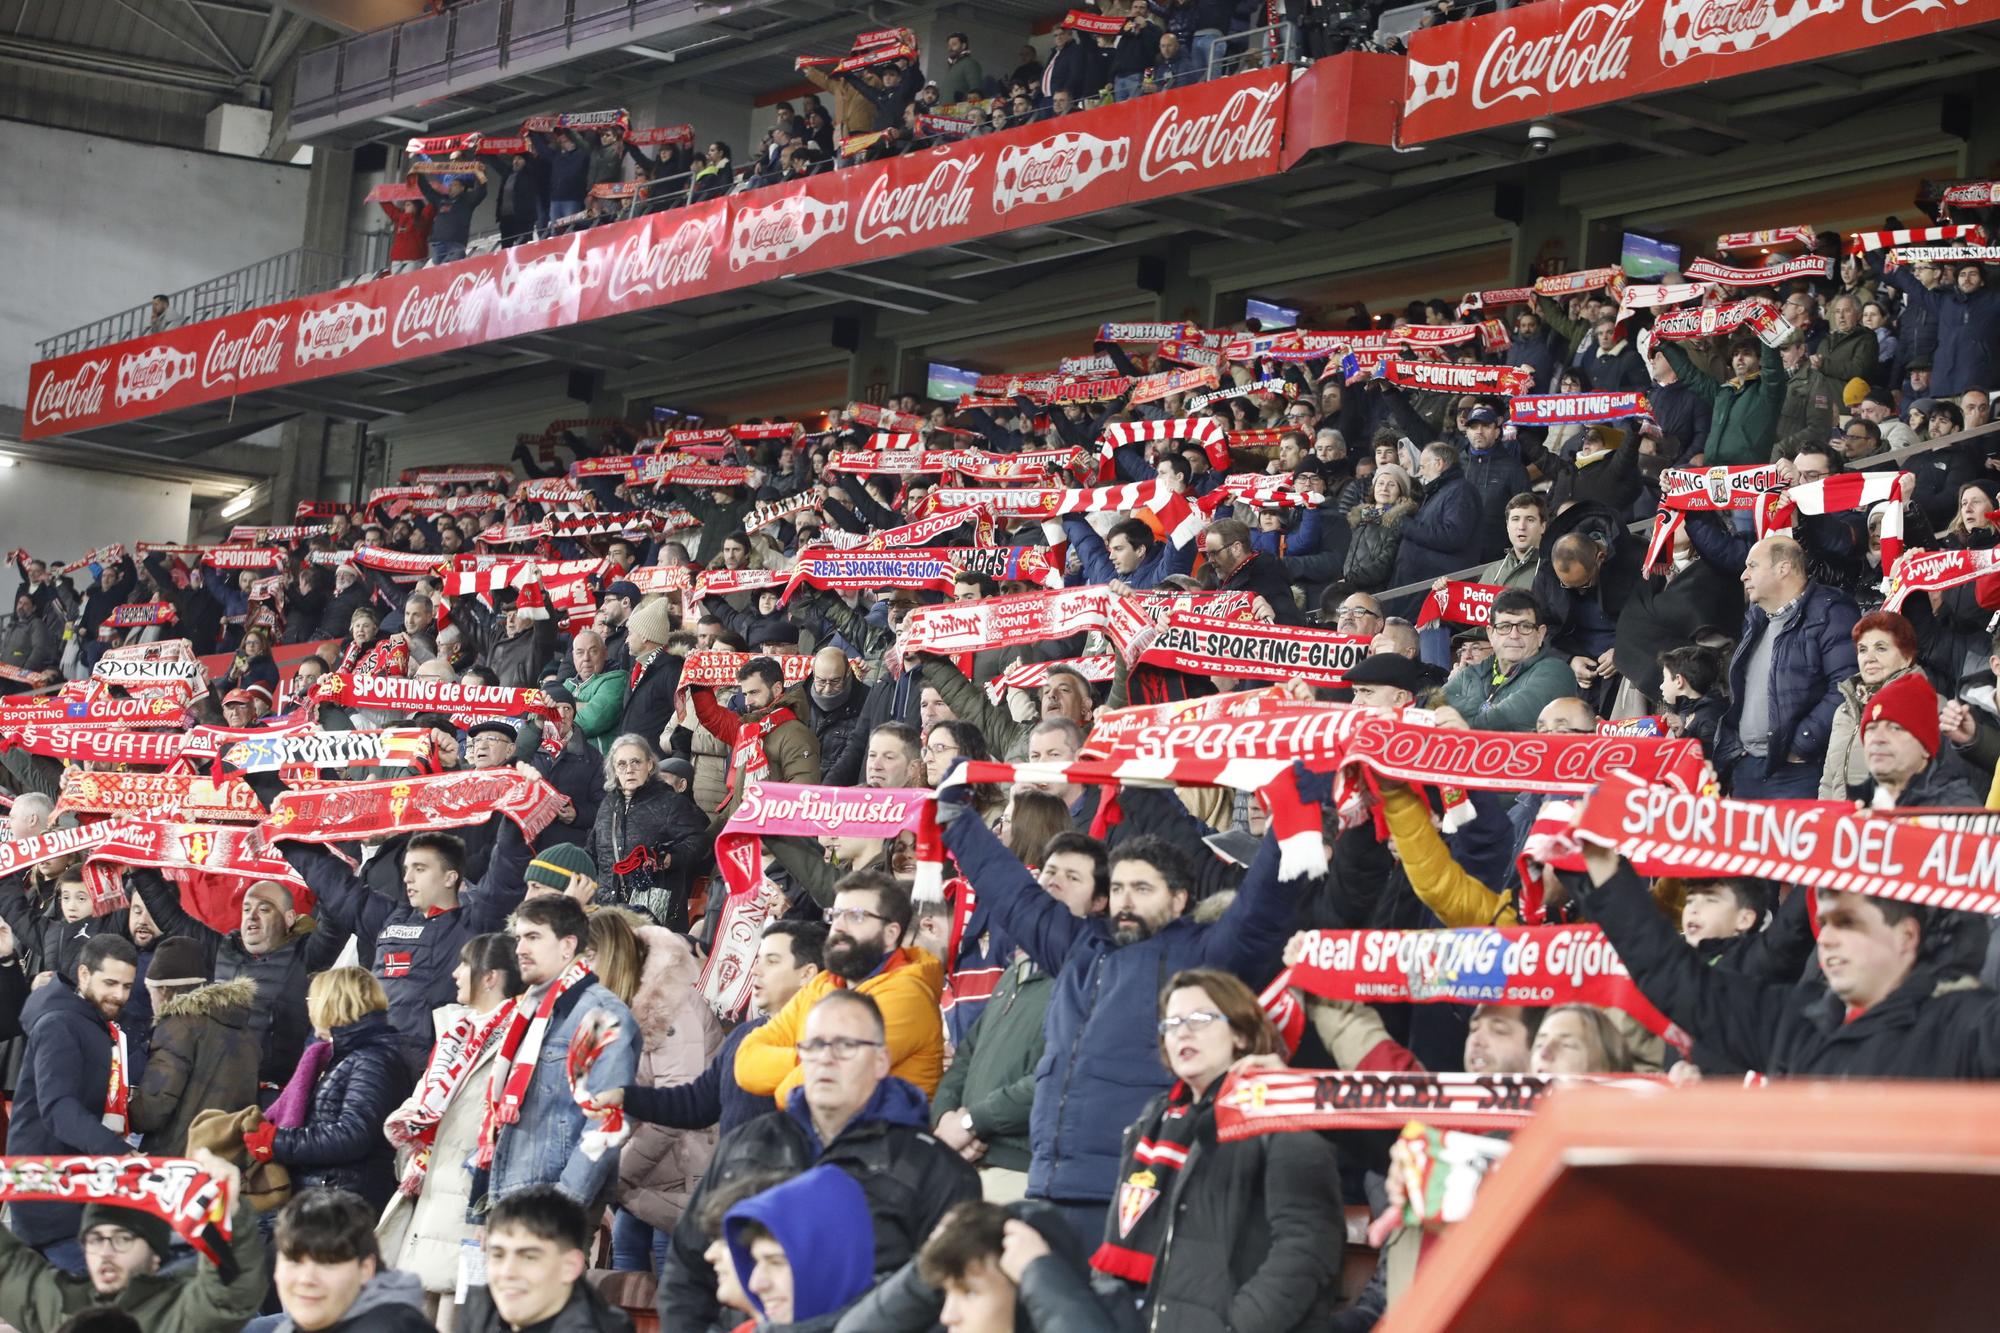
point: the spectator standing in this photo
(521, 204)
(1795, 650)
(451, 213)
(1526, 519)
(1743, 411)
(568, 172)
(410, 234)
(962, 78)
(599, 689)
(326, 1126)
(655, 673)
(1966, 313)
(72, 1095)
(1683, 415)
(160, 314)
(1885, 649)
(767, 741)
(648, 837)
(1443, 534)
(204, 1051)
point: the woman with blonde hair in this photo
(1208, 1234)
(326, 1126)
(1377, 528)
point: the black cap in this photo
(1391, 669)
(1482, 415)
(559, 694)
(621, 588)
(497, 726)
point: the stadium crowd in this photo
(678, 851)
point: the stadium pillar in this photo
(1181, 294)
(1548, 237)
(1980, 155)
(874, 364)
(303, 440)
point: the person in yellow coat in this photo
(870, 918)
(1454, 896)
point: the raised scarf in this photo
(747, 755)
(356, 811)
(1252, 650)
(1276, 1101)
(174, 1189)
(520, 1049)
(1137, 1230)
(1460, 603)
(1561, 409)
(1770, 275)
(118, 1088)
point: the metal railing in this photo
(280, 278)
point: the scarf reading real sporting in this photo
(175, 1190)
(1531, 966)
(1273, 1101)
(520, 1051)
(182, 796)
(1251, 650)
(1561, 409)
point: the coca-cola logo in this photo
(1730, 27)
(455, 310)
(148, 375)
(1055, 168)
(81, 394)
(781, 230)
(646, 264)
(337, 330)
(1244, 130)
(255, 354)
(941, 200)
(1595, 49)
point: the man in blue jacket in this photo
(1443, 534)
(1100, 1069)
(415, 944)
(451, 227)
(1967, 313)
(63, 1103)
(1796, 648)
(1129, 552)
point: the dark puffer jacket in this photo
(340, 1146)
(59, 1100)
(1940, 1023)
(203, 1056)
(646, 846)
(1812, 655)
(278, 1020)
(1244, 1248)
(1443, 534)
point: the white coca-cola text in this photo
(452, 311)
(1595, 49)
(258, 352)
(646, 264)
(79, 395)
(1244, 130)
(943, 199)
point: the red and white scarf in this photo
(1583, 280)
(175, 1190)
(1260, 1101)
(1934, 571)
(520, 1049)
(1455, 377)
(352, 811)
(1460, 603)
(1560, 409)
(118, 1091)
(454, 1057)
(1770, 275)
(1750, 240)
(748, 759)
(1861, 242)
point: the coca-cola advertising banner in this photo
(1564, 55)
(1212, 134)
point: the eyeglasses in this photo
(1511, 629)
(1356, 613)
(940, 752)
(118, 1242)
(1197, 1021)
(838, 1049)
(852, 916)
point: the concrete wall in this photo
(109, 222)
(61, 513)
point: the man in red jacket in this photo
(411, 243)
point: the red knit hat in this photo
(1911, 703)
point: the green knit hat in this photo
(554, 867)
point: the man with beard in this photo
(1095, 1076)
(73, 1091)
(865, 952)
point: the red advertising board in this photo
(1564, 55)
(1212, 134)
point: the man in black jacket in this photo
(64, 1103)
(520, 203)
(415, 945)
(1226, 545)
(451, 228)
(851, 1114)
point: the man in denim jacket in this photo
(544, 1145)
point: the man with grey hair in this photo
(1848, 351)
(1797, 646)
(1443, 535)
(32, 816)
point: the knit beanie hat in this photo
(153, 1230)
(554, 867)
(1853, 392)
(1911, 703)
(650, 622)
(177, 961)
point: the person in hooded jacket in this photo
(326, 1126)
(203, 1051)
(1443, 535)
(330, 1275)
(848, 1113)
(537, 1246)
(1967, 314)
(648, 836)
(803, 1251)
(834, 699)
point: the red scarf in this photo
(747, 756)
(1160, 1151)
(520, 1050)
(118, 1093)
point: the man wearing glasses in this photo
(865, 952)
(847, 1110)
(1509, 690)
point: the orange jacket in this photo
(906, 990)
